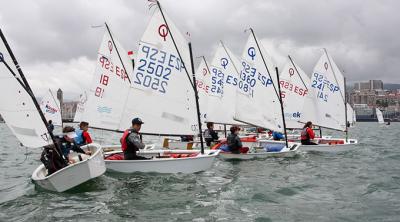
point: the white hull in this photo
(349, 145)
(257, 152)
(74, 174)
(325, 147)
(198, 163)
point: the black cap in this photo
(137, 121)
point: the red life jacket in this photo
(124, 144)
(307, 134)
(304, 134)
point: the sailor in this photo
(82, 134)
(67, 143)
(209, 134)
(307, 134)
(50, 126)
(131, 141)
(233, 140)
(277, 135)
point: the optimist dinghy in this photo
(162, 161)
(85, 168)
(160, 91)
(257, 149)
(27, 122)
(327, 106)
(258, 88)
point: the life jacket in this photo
(124, 144)
(79, 137)
(304, 134)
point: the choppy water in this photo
(358, 185)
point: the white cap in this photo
(71, 135)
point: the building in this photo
(68, 110)
(366, 96)
(376, 84)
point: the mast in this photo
(282, 111)
(176, 47)
(297, 71)
(265, 63)
(196, 95)
(116, 49)
(205, 62)
(28, 89)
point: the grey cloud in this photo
(361, 35)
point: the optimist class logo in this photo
(163, 31)
(291, 72)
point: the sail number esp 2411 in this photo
(155, 67)
(321, 83)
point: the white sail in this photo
(17, 107)
(326, 108)
(379, 115)
(354, 116)
(203, 78)
(257, 101)
(109, 89)
(350, 114)
(162, 94)
(80, 107)
(50, 107)
(223, 83)
(294, 89)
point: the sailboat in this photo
(161, 92)
(327, 106)
(294, 85)
(27, 122)
(258, 103)
(50, 106)
(379, 116)
(351, 118)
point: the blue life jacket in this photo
(79, 136)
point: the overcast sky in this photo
(56, 45)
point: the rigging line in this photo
(265, 63)
(297, 71)
(334, 74)
(176, 47)
(205, 61)
(116, 48)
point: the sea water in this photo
(358, 185)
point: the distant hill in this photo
(390, 86)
